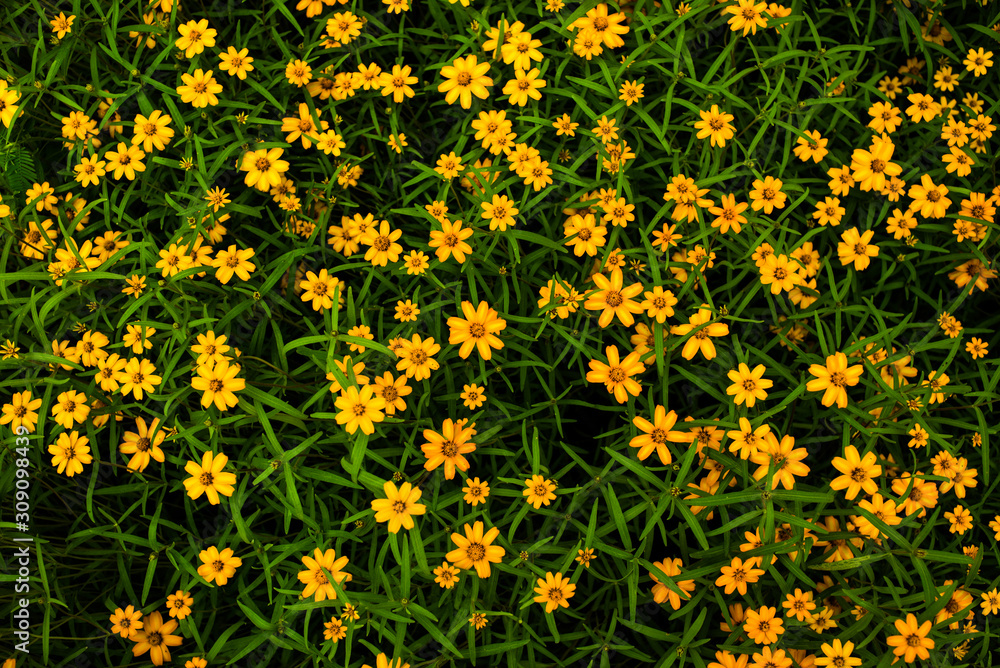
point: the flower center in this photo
(206, 479)
(476, 552)
(449, 449)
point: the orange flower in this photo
(614, 299)
(478, 330)
(700, 341)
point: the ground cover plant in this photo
(430, 333)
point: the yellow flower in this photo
(382, 246)
(656, 434)
(978, 62)
(476, 491)
(522, 86)
(218, 382)
(857, 473)
(70, 452)
(21, 412)
(747, 15)
(209, 478)
(448, 448)
(199, 89)
(399, 506)
(738, 575)
(787, 461)
(780, 273)
(539, 491)
(475, 549)
(236, 63)
(672, 568)
(359, 409)
(125, 622)
(264, 168)
(477, 330)
(700, 341)
(500, 212)
(298, 72)
(715, 125)
(195, 36)
(62, 25)
(603, 27)
(397, 83)
(472, 396)
(631, 92)
(142, 445)
(748, 386)
(397, 142)
(450, 241)
(520, 50)
(416, 357)
(767, 195)
(318, 585)
(334, 630)
(216, 567)
(137, 376)
(855, 247)
(960, 519)
(179, 604)
(8, 108)
(554, 591)
(233, 261)
(976, 348)
(614, 300)
(564, 125)
(762, 627)
(156, 637)
(833, 379)
(911, 641)
(344, 27)
(617, 374)
(464, 78)
(126, 161)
